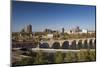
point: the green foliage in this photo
(81, 56)
(25, 61)
(40, 57)
(70, 57)
(86, 55)
(58, 57)
(90, 56)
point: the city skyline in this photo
(51, 16)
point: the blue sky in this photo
(52, 16)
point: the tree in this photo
(81, 56)
(90, 55)
(58, 57)
(70, 57)
(40, 58)
(24, 61)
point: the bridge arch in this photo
(91, 44)
(73, 44)
(79, 45)
(56, 45)
(65, 45)
(85, 44)
(44, 45)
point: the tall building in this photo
(48, 30)
(77, 29)
(63, 30)
(29, 28)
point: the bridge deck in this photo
(62, 50)
(55, 50)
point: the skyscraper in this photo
(29, 28)
(63, 30)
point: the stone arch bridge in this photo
(83, 43)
